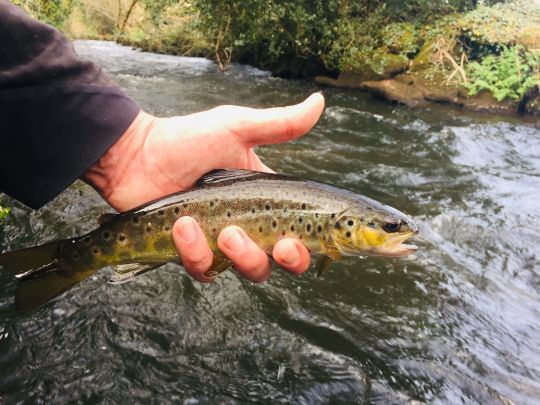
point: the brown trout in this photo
(331, 223)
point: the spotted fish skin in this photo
(268, 207)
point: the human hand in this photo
(160, 156)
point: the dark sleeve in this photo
(58, 113)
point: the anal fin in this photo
(127, 272)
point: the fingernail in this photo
(234, 241)
(187, 231)
(291, 255)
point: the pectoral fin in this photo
(127, 272)
(323, 263)
(219, 265)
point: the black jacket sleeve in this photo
(58, 113)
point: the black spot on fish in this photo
(300, 219)
(333, 216)
(285, 209)
(362, 219)
(95, 250)
(122, 237)
(350, 222)
(371, 224)
(319, 228)
(135, 220)
(337, 225)
(274, 223)
(214, 230)
(304, 206)
(167, 228)
(253, 210)
(348, 234)
(176, 210)
(211, 203)
(267, 206)
(316, 215)
(260, 229)
(185, 205)
(161, 213)
(292, 228)
(106, 235)
(283, 233)
(229, 214)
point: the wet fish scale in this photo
(146, 234)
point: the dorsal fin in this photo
(226, 175)
(106, 217)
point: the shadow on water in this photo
(457, 322)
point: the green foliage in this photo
(54, 12)
(500, 23)
(508, 75)
(400, 38)
(366, 48)
(480, 32)
(265, 31)
(156, 8)
(171, 27)
(3, 212)
(338, 33)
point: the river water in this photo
(457, 322)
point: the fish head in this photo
(373, 230)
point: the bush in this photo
(508, 75)
(265, 31)
(333, 32)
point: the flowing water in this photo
(457, 322)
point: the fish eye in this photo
(391, 226)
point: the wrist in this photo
(105, 175)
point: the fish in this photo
(331, 222)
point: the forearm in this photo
(58, 113)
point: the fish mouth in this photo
(396, 248)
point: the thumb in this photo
(279, 124)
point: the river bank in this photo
(475, 57)
(485, 60)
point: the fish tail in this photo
(41, 276)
